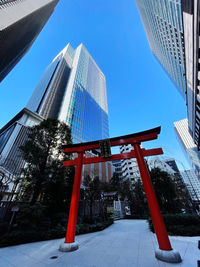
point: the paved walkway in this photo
(125, 243)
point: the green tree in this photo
(115, 183)
(126, 190)
(139, 203)
(112, 185)
(92, 191)
(165, 190)
(44, 175)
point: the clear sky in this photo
(140, 94)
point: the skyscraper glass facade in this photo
(188, 144)
(87, 113)
(73, 89)
(193, 184)
(173, 31)
(162, 20)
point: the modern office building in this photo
(193, 184)
(21, 21)
(130, 169)
(172, 29)
(191, 26)
(172, 163)
(73, 90)
(12, 136)
(187, 143)
(162, 21)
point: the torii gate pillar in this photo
(165, 251)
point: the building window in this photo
(5, 136)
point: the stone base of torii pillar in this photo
(67, 247)
(171, 256)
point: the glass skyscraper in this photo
(193, 184)
(188, 145)
(162, 20)
(20, 23)
(73, 90)
(172, 28)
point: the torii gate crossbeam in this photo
(165, 251)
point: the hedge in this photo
(180, 224)
(16, 237)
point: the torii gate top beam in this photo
(115, 141)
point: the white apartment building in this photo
(130, 170)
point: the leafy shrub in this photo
(183, 219)
(59, 218)
(57, 232)
(29, 217)
(79, 220)
(3, 227)
(84, 228)
(100, 226)
(93, 227)
(110, 221)
(180, 224)
(21, 236)
(45, 224)
(89, 220)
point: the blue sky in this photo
(140, 94)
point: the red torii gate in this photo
(165, 251)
